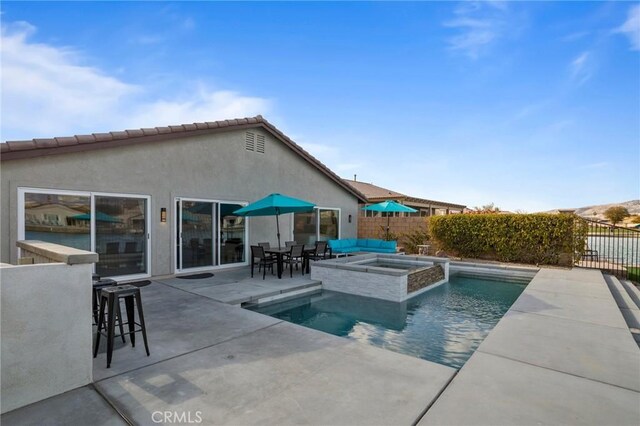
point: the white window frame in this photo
(92, 233)
(215, 237)
(316, 210)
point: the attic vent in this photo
(250, 141)
(260, 144)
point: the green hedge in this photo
(551, 239)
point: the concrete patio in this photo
(563, 354)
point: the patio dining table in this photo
(280, 252)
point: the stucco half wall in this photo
(212, 166)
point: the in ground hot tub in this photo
(382, 276)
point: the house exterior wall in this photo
(214, 166)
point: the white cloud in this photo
(581, 68)
(44, 89)
(48, 91)
(479, 24)
(203, 105)
(631, 27)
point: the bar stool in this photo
(98, 285)
(109, 299)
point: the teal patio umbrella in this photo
(389, 206)
(100, 217)
(275, 205)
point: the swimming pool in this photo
(444, 325)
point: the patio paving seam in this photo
(557, 371)
(435, 399)
(112, 404)
(191, 292)
(568, 319)
(190, 352)
(604, 296)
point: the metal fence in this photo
(612, 249)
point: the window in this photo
(320, 225)
(112, 225)
(329, 224)
(58, 218)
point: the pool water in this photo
(444, 325)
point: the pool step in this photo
(286, 295)
(633, 291)
(628, 307)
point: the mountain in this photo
(597, 212)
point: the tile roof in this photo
(13, 150)
(376, 194)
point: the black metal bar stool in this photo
(98, 285)
(109, 299)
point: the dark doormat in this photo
(140, 283)
(196, 276)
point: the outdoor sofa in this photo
(353, 245)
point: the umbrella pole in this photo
(388, 219)
(278, 229)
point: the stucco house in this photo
(160, 201)
(375, 194)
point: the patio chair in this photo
(257, 252)
(265, 246)
(321, 251)
(113, 248)
(294, 257)
(289, 244)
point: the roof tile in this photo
(102, 137)
(86, 139)
(213, 124)
(4, 147)
(134, 133)
(67, 141)
(201, 126)
(21, 146)
(148, 131)
(189, 127)
(46, 143)
(176, 129)
(163, 130)
(119, 135)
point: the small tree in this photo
(487, 208)
(616, 214)
(635, 218)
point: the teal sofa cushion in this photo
(350, 249)
(373, 243)
(361, 242)
(389, 245)
(335, 244)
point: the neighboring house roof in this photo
(13, 150)
(375, 194)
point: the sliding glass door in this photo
(116, 226)
(208, 234)
(232, 234)
(196, 222)
(120, 235)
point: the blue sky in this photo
(532, 106)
